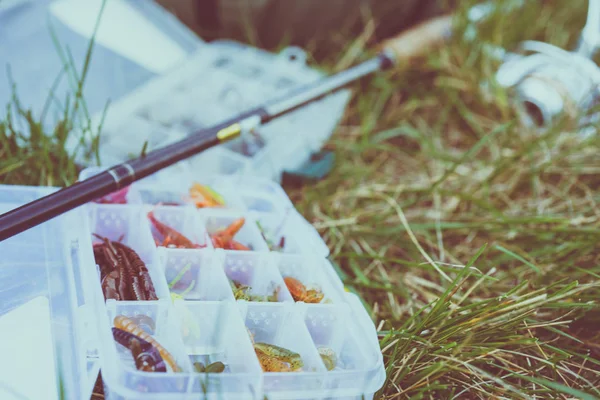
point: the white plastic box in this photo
(219, 81)
(204, 323)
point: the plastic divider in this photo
(184, 220)
(195, 274)
(214, 332)
(332, 330)
(281, 325)
(150, 195)
(312, 239)
(280, 229)
(158, 320)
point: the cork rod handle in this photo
(420, 39)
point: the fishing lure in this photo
(243, 292)
(169, 236)
(328, 356)
(123, 275)
(138, 275)
(203, 196)
(224, 238)
(240, 291)
(300, 293)
(214, 368)
(147, 357)
(282, 354)
(271, 364)
(199, 367)
(142, 320)
(124, 323)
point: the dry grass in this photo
(437, 170)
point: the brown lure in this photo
(140, 277)
(109, 286)
(146, 357)
(116, 280)
(126, 324)
(123, 274)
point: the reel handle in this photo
(589, 40)
(420, 39)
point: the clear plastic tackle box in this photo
(196, 316)
(219, 81)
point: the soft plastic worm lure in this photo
(123, 274)
(143, 320)
(282, 354)
(146, 357)
(126, 324)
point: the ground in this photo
(472, 240)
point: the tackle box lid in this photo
(43, 307)
(33, 31)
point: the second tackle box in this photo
(219, 81)
(184, 286)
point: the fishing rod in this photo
(394, 51)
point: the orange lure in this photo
(300, 293)
(171, 236)
(224, 239)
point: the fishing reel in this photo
(548, 82)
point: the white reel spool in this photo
(549, 81)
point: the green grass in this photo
(32, 155)
(472, 240)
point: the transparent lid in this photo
(32, 32)
(42, 332)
